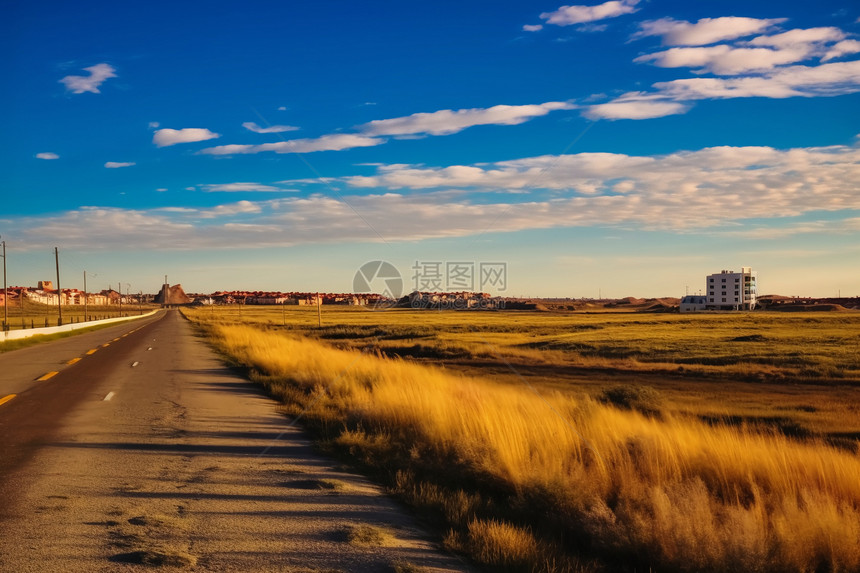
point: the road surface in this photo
(147, 451)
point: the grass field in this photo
(563, 442)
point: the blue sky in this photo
(621, 148)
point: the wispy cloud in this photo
(824, 80)
(726, 60)
(567, 15)
(532, 27)
(236, 187)
(712, 190)
(335, 142)
(47, 155)
(98, 74)
(705, 31)
(635, 106)
(442, 122)
(840, 49)
(251, 126)
(166, 137)
(118, 164)
(830, 79)
(759, 54)
(447, 121)
(676, 191)
(800, 37)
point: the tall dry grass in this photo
(562, 478)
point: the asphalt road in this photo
(147, 451)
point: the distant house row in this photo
(45, 293)
(286, 298)
(460, 300)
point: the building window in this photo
(737, 280)
(724, 280)
(712, 299)
(724, 299)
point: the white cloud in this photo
(282, 108)
(443, 122)
(154, 125)
(240, 207)
(825, 80)
(98, 74)
(705, 31)
(726, 60)
(532, 27)
(567, 15)
(234, 187)
(759, 54)
(447, 121)
(831, 79)
(166, 137)
(635, 106)
(800, 37)
(841, 49)
(47, 155)
(251, 126)
(118, 164)
(707, 190)
(161, 189)
(336, 142)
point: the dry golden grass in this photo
(797, 373)
(572, 476)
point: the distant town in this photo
(44, 293)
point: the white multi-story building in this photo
(728, 290)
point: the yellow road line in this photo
(73, 360)
(92, 351)
(47, 376)
(6, 399)
(106, 344)
(115, 339)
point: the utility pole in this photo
(139, 302)
(59, 290)
(119, 288)
(85, 296)
(5, 293)
(319, 310)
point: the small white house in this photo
(693, 303)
